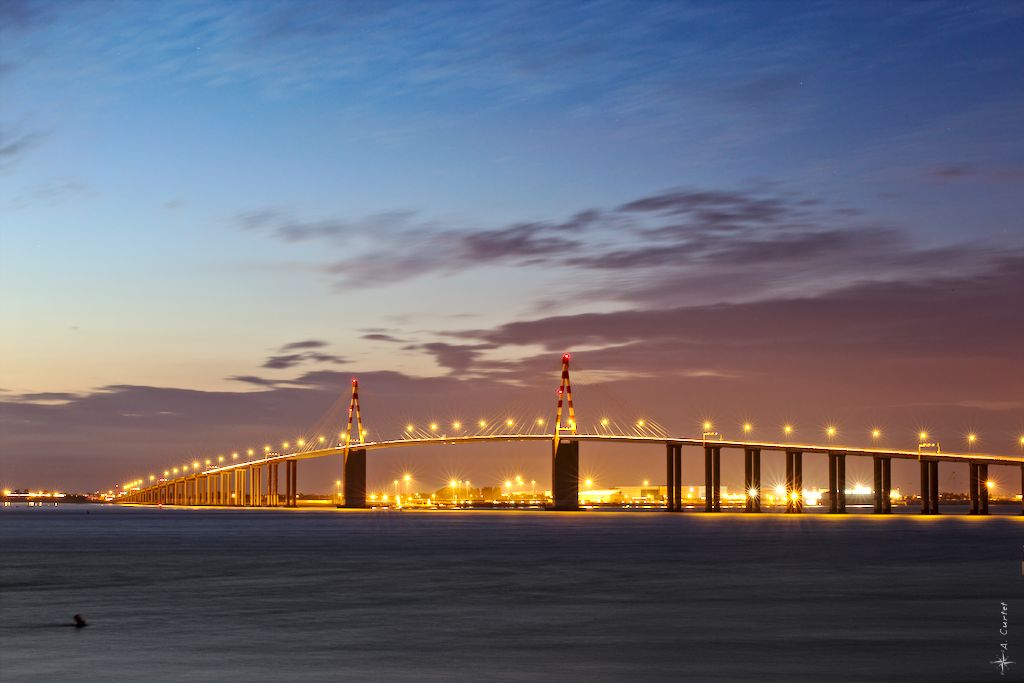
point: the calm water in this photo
(188, 595)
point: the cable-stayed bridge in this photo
(256, 482)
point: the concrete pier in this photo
(883, 485)
(712, 479)
(354, 478)
(794, 482)
(565, 475)
(930, 487)
(752, 479)
(674, 477)
(837, 483)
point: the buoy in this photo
(79, 621)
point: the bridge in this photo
(256, 482)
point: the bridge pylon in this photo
(565, 454)
(353, 474)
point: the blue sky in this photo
(187, 187)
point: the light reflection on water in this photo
(462, 595)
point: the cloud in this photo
(381, 336)
(253, 379)
(13, 145)
(703, 245)
(305, 344)
(284, 361)
(965, 171)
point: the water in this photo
(191, 595)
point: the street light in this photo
(876, 433)
(830, 431)
(787, 430)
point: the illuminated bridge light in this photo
(540, 421)
(456, 425)
(922, 435)
(747, 427)
(220, 458)
(751, 493)
(207, 462)
(234, 456)
(641, 423)
(707, 426)
(604, 421)
(875, 433)
(990, 484)
(482, 423)
(250, 451)
(284, 444)
(509, 422)
(433, 426)
(301, 442)
(971, 438)
(830, 432)
(266, 449)
(589, 483)
(788, 429)
(321, 438)
(409, 428)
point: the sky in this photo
(213, 215)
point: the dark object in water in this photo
(79, 621)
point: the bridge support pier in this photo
(254, 486)
(883, 485)
(752, 479)
(292, 487)
(274, 474)
(354, 478)
(983, 489)
(794, 481)
(712, 479)
(565, 475)
(930, 487)
(674, 477)
(837, 483)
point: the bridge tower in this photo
(565, 454)
(354, 459)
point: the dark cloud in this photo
(381, 336)
(46, 396)
(457, 358)
(971, 171)
(253, 379)
(672, 228)
(13, 145)
(288, 360)
(305, 344)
